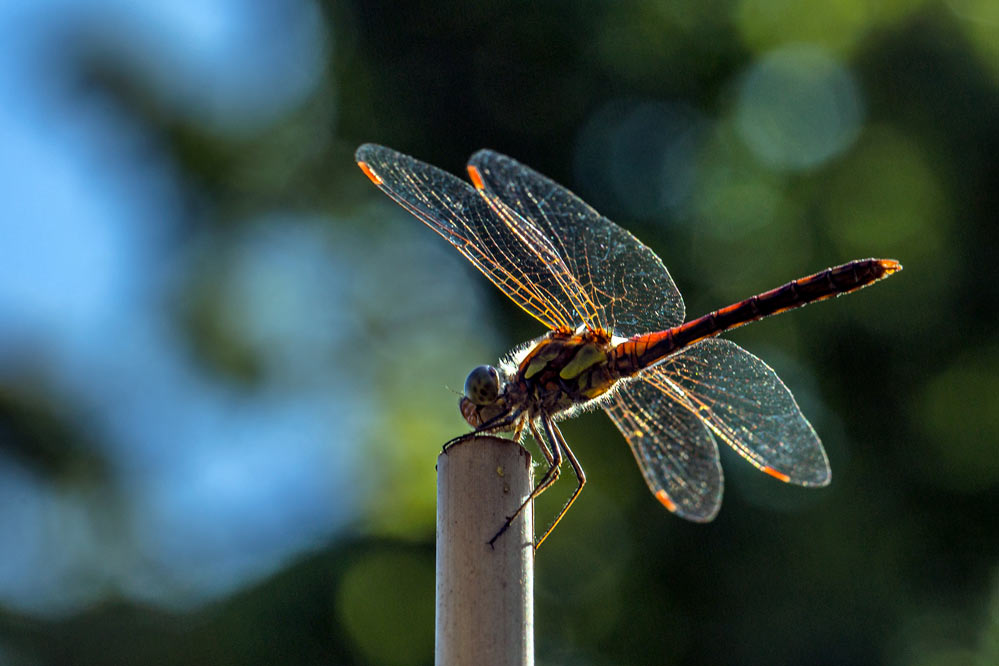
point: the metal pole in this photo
(485, 595)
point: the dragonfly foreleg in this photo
(497, 424)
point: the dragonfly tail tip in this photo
(889, 266)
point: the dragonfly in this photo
(617, 337)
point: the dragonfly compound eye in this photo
(482, 385)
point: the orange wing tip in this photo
(372, 176)
(889, 266)
(665, 500)
(780, 476)
(473, 173)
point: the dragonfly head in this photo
(481, 401)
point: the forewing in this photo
(746, 405)
(516, 256)
(675, 451)
(629, 287)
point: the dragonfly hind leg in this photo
(553, 453)
(555, 434)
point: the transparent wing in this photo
(514, 254)
(675, 451)
(630, 288)
(746, 405)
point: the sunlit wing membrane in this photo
(675, 451)
(747, 406)
(467, 220)
(625, 282)
(542, 247)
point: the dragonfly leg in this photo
(559, 441)
(460, 438)
(554, 456)
(518, 434)
(542, 445)
(497, 424)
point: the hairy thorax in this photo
(557, 375)
(565, 370)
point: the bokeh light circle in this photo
(797, 107)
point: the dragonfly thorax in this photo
(557, 374)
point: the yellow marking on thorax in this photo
(587, 356)
(596, 391)
(539, 361)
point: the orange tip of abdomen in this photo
(780, 476)
(372, 176)
(665, 500)
(889, 266)
(476, 177)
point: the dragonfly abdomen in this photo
(644, 350)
